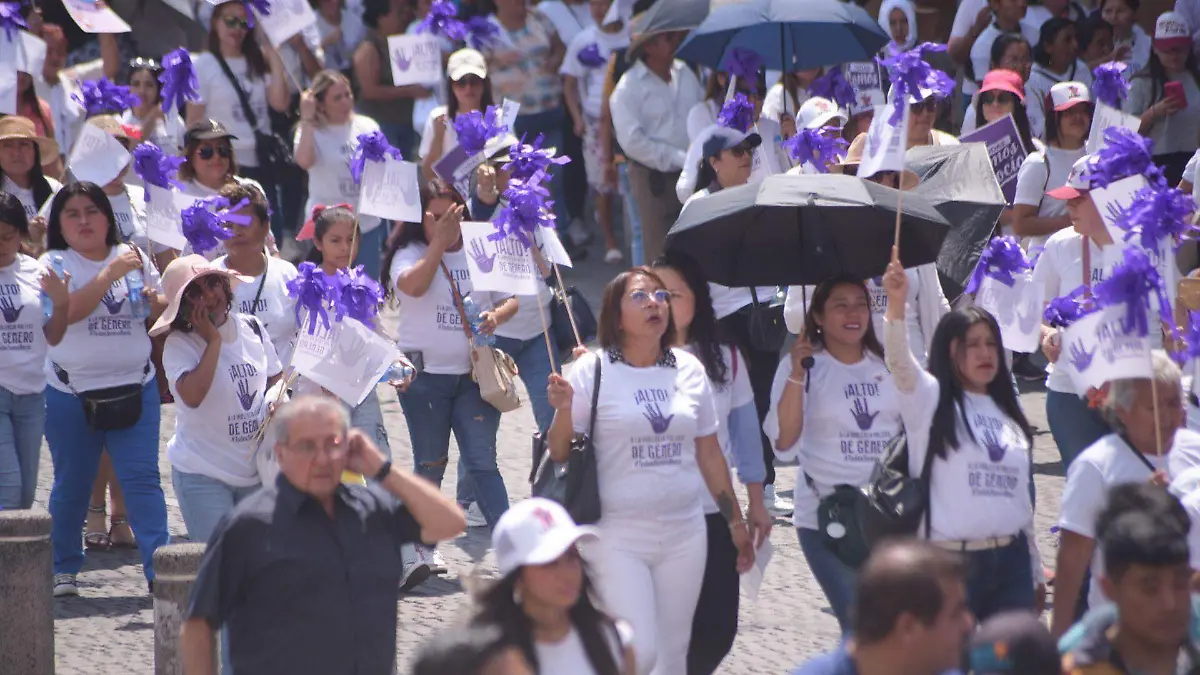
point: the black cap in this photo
(208, 130)
(1014, 642)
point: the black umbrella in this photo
(792, 230)
(959, 182)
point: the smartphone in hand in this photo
(1174, 91)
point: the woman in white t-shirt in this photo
(103, 357)
(326, 137)
(220, 365)
(1056, 59)
(716, 618)
(968, 436)
(1172, 122)
(162, 129)
(545, 601)
(470, 90)
(25, 331)
(23, 153)
(837, 414)
(654, 435)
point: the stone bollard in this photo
(175, 568)
(26, 593)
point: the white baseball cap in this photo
(1078, 181)
(466, 62)
(1066, 94)
(536, 531)
(818, 112)
(1171, 30)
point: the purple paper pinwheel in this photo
(816, 147)
(442, 20)
(1130, 284)
(526, 210)
(1158, 214)
(263, 7)
(744, 64)
(590, 56)
(1109, 84)
(179, 81)
(101, 97)
(1125, 154)
(313, 291)
(11, 20)
(528, 160)
(204, 222)
(481, 33)
(833, 86)
(475, 129)
(737, 113)
(356, 295)
(1002, 260)
(156, 167)
(1065, 310)
(911, 75)
(372, 147)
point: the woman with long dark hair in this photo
(545, 602)
(164, 129)
(963, 420)
(23, 153)
(1166, 95)
(1003, 93)
(1055, 59)
(470, 90)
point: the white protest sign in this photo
(390, 190)
(1106, 116)
(1096, 349)
(95, 17)
(97, 157)
(766, 157)
(1018, 310)
(347, 359)
(1112, 199)
(164, 223)
(865, 79)
(753, 578)
(416, 59)
(31, 56)
(287, 19)
(8, 89)
(505, 266)
(551, 247)
(885, 146)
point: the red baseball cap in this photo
(1004, 80)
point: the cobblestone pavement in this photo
(110, 627)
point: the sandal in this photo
(96, 540)
(120, 534)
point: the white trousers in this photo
(649, 574)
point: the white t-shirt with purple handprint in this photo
(216, 439)
(22, 344)
(851, 412)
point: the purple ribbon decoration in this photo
(1002, 260)
(356, 295)
(101, 97)
(737, 113)
(204, 222)
(816, 147)
(526, 209)
(156, 167)
(909, 74)
(371, 147)
(481, 33)
(442, 20)
(1158, 213)
(1065, 310)
(744, 64)
(1109, 85)
(11, 20)
(475, 129)
(1131, 283)
(1125, 154)
(263, 7)
(590, 56)
(528, 160)
(834, 86)
(179, 81)
(313, 291)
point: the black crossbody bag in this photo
(272, 151)
(110, 409)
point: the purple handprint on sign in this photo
(1081, 358)
(111, 303)
(658, 423)
(8, 311)
(481, 258)
(245, 396)
(402, 62)
(863, 416)
(1027, 322)
(995, 449)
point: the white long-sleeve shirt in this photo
(650, 115)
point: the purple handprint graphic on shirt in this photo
(111, 303)
(481, 258)
(8, 311)
(995, 449)
(245, 396)
(658, 423)
(1080, 358)
(863, 416)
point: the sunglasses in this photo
(234, 22)
(206, 152)
(926, 106)
(641, 299)
(995, 98)
(740, 151)
(469, 81)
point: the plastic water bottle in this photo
(138, 304)
(56, 264)
(397, 373)
(480, 339)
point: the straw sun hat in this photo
(175, 280)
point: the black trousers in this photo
(575, 185)
(716, 621)
(762, 366)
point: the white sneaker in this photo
(475, 516)
(579, 235)
(64, 584)
(433, 558)
(613, 256)
(415, 570)
(776, 505)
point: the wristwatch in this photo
(383, 472)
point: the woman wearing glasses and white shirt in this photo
(655, 439)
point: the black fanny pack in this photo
(111, 409)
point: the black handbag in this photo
(573, 483)
(767, 330)
(110, 409)
(273, 153)
(560, 319)
(893, 503)
(838, 525)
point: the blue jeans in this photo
(1000, 579)
(203, 500)
(634, 235)
(549, 124)
(368, 418)
(76, 449)
(535, 367)
(435, 405)
(401, 136)
(370, 250)
(1073, 424)
(22, 421)
(835, 578)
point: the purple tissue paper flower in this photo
(358, 296)
(481, 33)
(11, 20)
(101, 97)
(1002, 260)
(442, 20)
(833, 86)
(204, 222)
(1109, 85)
(1158, 214)
(263, 7)
(156, 167)
(590, 56)
(179, 81)
(371, 147)
(737, 113)
(313, 291)
(526, 209)
(1130, 285)
(910, 74)
(744, 64)
(1125, 154)
(817, 147)
(1067, 309)
(475, 129)
(528, 160)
